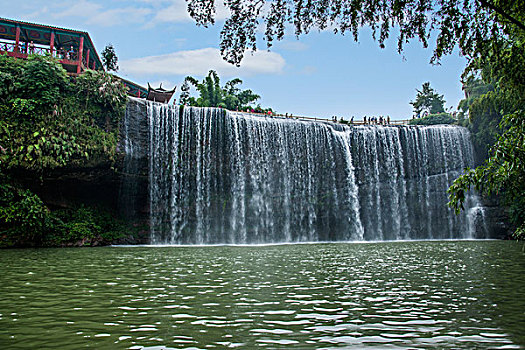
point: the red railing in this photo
(7, 46)
(65, 56)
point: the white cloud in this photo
(177, 12)
(38, 13)
(117, 12)
(120, 16)
(79, 9)
(95, 13)
(165, 84)
(221, 11)
(199, 62)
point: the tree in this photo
(428, 101)
(499, 114)
(211, 94)
(109, 58)
(479, 114)
(474, 87)
(185, 93)
(468, 24)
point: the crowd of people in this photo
(381, 120)
(372, 120)
(30, 48)
(66, 54)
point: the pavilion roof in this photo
(159, 94)
(134, 89)
(41, 34)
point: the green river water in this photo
(449, 294)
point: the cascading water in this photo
(217, 176)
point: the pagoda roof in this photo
(41, 34)
(160, 94)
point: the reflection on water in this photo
(383, 295)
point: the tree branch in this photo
(498, 10)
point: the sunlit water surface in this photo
(383, 295)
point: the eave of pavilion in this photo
(134, 89)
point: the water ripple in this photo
(378, 295)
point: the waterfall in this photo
(217, 176)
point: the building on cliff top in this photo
(72, 48)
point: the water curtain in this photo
(217, 176)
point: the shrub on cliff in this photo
(49, 120)
(26, 221)
(434, 119)
(23, 215)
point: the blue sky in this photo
(321, 74)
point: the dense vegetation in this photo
(497, 122)
(212, 94)
(497, 114)
(434, 119)
(489, 33)
(481, 118)
(50, 121)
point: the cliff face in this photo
(133, 170)
(123, 188)
(119, 188)
(57, 150)
(68, 187)
(496, 218)
(216, 177)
